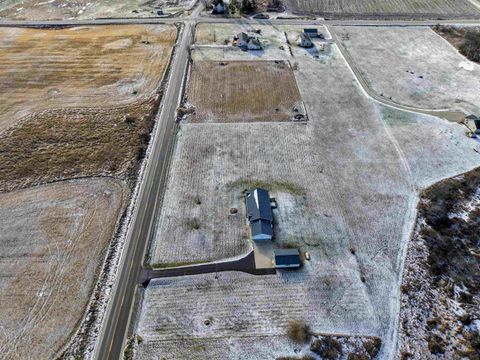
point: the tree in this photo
(471, 45)
(248, 6)
(232, 7)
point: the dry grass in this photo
(53, 239)
(75, 142)
(427, 8)
(79, 67)
(243, 91)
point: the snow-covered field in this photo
(350, 177)
(428, 72)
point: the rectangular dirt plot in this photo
(244, 91)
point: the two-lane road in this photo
(117, 318)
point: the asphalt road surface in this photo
(113, 335)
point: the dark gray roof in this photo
(258, 205)
(260, 227)
(305, 37)
(310, 31)
(287, 257)
(243, 36)
(286, 252)
(472, 117)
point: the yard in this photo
(346, 184)
(240, 91)
(429, 73)
(53, 240)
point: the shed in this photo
(476, 120)
(313, 33)
(259, 214)
(304, 40)
(242, 39)
(287, 258)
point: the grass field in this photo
(84, 103)
(87, 9)
(79, 67)
(346, 183)
(242, 91)
(379, 8)
(429, 73)
(53, 240)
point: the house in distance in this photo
(259, 214)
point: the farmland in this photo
(429, 73)
(87, 9)
(77, 103)
(79, 67)
(243, 92)
(53, 239)
(380, 8)
(346, 184)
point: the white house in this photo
(304, 40)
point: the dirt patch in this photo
(91, 67)
(466, 40)
(53, 240)
(244, 91)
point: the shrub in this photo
(356, 356)
(471, 45)
(436, 345)
(298, 331)
(327, 347)
(372, 347)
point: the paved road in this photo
(117, 318)
(198, 19)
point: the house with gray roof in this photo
(259, 214)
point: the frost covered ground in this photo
(53, 240)
(347, 183)
(429, 73)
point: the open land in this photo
(85, 107)
(53, 240)
(88, 9)
(346, 183)
(381, 8)
(247, 95)
(429, 73)
(79, 67)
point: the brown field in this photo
(243, 91)
(84, 100)
(79, 67)
(53, 239)
(406, 8)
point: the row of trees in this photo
(244, 6)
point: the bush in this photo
(436, 345)
(355, 356)
(471, 45)
(372, 347)
(327, 347)
(298, 331)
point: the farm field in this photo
(79, 67)
(53, 239)
(87, 9)
(346, 183)
(85, 107)
(429, 73)
(380, 8)
(247, 95)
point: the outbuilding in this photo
(476, 120)
(219, 7)
(313, 33)
(287, 258)
(259, 214)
